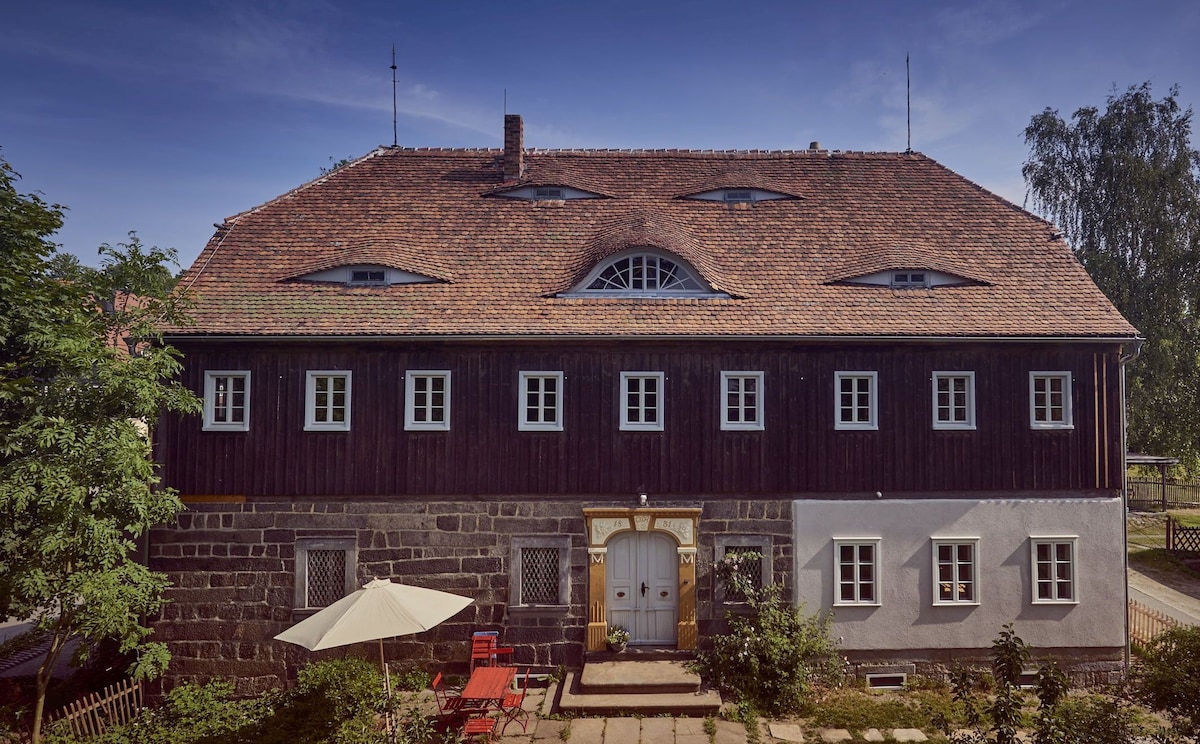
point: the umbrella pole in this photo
(387, 684)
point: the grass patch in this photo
(1158, 559)
(1185, 517)
(859, 710)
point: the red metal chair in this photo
(480, 726)
(485, 652)
(513, 707)
(448, 704)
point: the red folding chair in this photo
(480, 726)
(485, 652)
(513, 707)
(448, 704)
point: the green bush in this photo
(1168, 677)
(190, 714)
(773, 654)
(335, 702)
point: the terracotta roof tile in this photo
(502, 261)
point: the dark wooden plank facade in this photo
(798, 453)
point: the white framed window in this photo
(741, 401)
(540, 401)
(956, 570)
(427, 399)
(954, 400)
(855, 400)
(758, 570)
(1053, 562)
(327, 400)
(856, 570)
(325, 570)
(1050, 400)
(538, 576)
(642, 401)
(227, 400)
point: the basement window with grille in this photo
(538, 574)
(325, 570)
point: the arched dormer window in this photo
(640, 273)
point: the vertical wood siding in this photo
(799, 451)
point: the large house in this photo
(565, 382)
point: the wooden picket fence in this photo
(1146, 623)
(92, 714)
(1182, 539)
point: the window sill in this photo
(538, 610)
(1052, 602)
(218, 427)
(956, 604)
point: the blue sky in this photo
(165, 117)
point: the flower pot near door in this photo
(617, 639)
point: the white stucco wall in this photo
(907, 618)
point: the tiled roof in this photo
(502, 262)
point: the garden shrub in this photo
(190, 714)
(773, 654)
(340, 701)
(1168, 677)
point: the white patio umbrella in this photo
(379, 610)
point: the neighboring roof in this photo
(502, 262)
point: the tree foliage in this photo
(1124, 185)
(77, 481)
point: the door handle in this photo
(644, 588)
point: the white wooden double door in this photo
(642, 585)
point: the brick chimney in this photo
(514, 147)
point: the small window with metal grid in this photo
(539, 574)
(324, 571)
(750, 556)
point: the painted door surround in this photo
(680, 524)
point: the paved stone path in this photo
(666, 730)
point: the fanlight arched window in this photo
(644, 272)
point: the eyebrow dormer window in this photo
(739, 195)
(645, 273)
(367, 276)
(547, 193)
(909, 279)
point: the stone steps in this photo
(638, 687)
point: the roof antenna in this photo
(394, 95)
(908, 100)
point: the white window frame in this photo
(856, 542)
(348, 545)
(523, 392)
(410, 400)
(210, 401)
(659, 407)
(726, 379)
(969, 423)
(1068, 421)
(953, 543)
(761, 543)
(1053, 541)
(310, 400)
(872, 378)
(560, 542)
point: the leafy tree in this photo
(1124, 185)
(77, 481)
(1168, 677)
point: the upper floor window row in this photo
(642, 396)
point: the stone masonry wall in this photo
(233, 570)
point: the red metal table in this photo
(486, 687)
